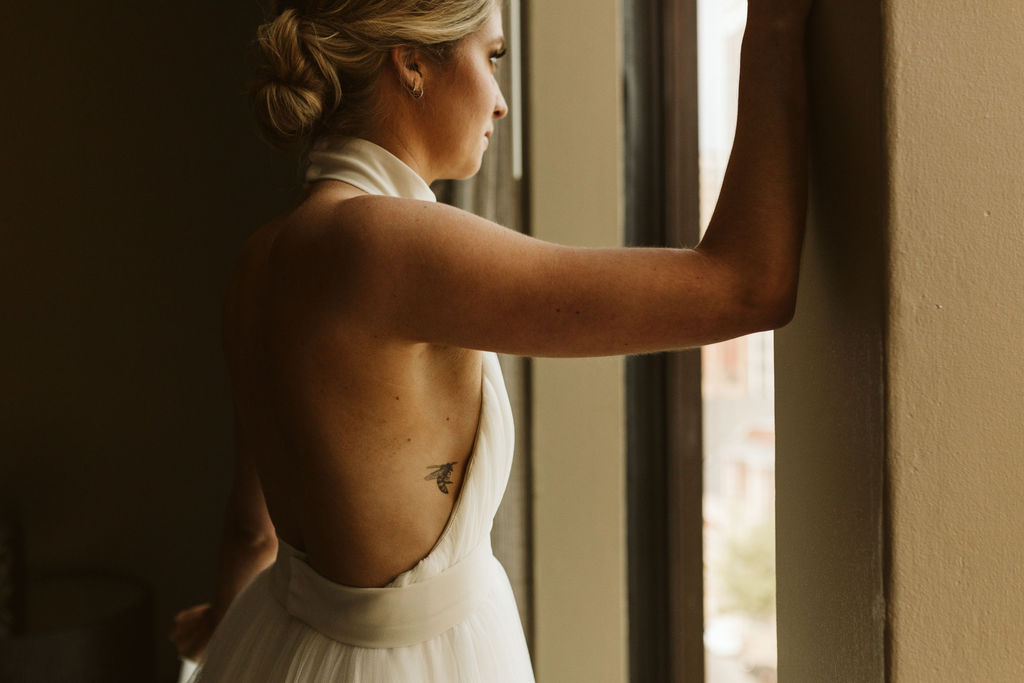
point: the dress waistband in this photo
(381, 617)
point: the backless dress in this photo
(451, 618)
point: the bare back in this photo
(361, 441)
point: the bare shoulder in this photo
(375, 226)
(415, 271)
(348, 255)
(293, 253)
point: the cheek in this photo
(487, 88)
(475, 90)
(461, 113)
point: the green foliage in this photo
(747, 569)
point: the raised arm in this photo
(430, 273)
(757, 227)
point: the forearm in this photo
(757, 228)
(248, 545)
(242, 556)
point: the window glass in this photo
(739, 425)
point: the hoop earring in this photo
(416, 91)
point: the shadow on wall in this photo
(830, 419)
(133, 175)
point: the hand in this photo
(191, 630)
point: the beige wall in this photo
(578, 415)
(955, 89)
(905, 353)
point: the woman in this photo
(373, 431)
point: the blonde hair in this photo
(321, 59)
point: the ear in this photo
(408, 62)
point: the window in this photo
(701, 463)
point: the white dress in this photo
(452, 618)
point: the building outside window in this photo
(738, 408)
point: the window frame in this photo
(663, 391)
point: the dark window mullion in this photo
(663, 390)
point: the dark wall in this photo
(131, 173)
(830, 372)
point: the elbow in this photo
(773, 294)
(249, 534)
(782, 310)
(253, 540)
(260, 548)
(771, 308)
(755, 299)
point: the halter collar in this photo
(368, 166)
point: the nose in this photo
(500, 107)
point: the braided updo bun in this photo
(320, 59)
(299, 82)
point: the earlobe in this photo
(407, 66)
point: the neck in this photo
(404, 147)
(398, 131)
